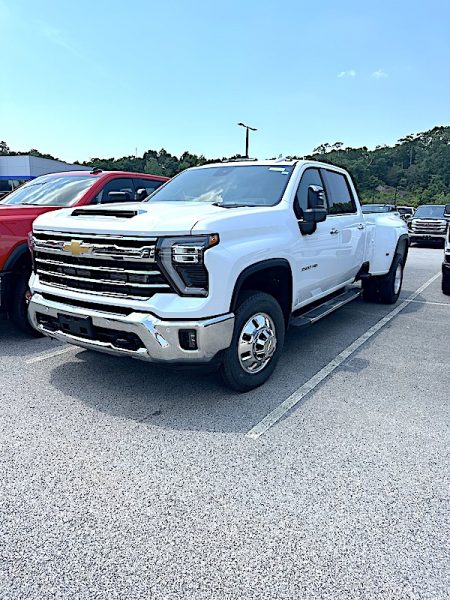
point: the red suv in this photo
(50, 192)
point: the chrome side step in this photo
(329, 306)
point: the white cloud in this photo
(350, 73)
(379, 74)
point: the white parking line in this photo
(431, 302)
(273, 417)
(41, 357)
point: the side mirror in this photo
(119, 197)
(141, 194)
(447, 210)
(316, 212)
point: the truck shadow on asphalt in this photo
(194, 400)
(14, 342)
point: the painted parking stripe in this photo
(47, 355)
(431, 302)
(273, 417)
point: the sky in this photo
(102, 78)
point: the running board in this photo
(329, 306)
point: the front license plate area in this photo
(79, 326)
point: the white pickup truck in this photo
(214, 266)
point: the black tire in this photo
(386, 288)
(233, 374)
(369, 290)
(446, 284)
(19, 306)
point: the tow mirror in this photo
(316, 197)
(316, 211)
(447, 210)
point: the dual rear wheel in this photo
(385, 288)
(446, 283)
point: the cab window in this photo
(116, 185)
(340, 197)
(310, 177)
(148, 185)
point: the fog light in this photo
(188, 339)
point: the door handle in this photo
(334, 231)
(360, 226)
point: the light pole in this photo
(247, 128)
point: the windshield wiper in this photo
(224, 205)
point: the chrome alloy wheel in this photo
(398, 278)
(257, 343)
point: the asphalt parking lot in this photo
(126, 480)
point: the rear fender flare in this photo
(402, 247)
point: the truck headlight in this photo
(182, 261)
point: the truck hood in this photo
(139, 219)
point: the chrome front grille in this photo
(121, 267)
(431, 226)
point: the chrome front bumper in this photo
(160, 338)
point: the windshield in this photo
(249, 185)
(377, 208)
(53, 190)
(425, 212)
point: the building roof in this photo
(28, 167)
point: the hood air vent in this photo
(104, 212)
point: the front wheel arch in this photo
(273, 277)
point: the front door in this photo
(314, 254)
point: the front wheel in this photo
(257, 342)
(19, 307)
(385, 288)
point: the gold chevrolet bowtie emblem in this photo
(76, 248)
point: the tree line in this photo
(416, 170)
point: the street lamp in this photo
(247, 128)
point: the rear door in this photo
(347, 229)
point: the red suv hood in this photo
(16, 223)
(14, 211)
